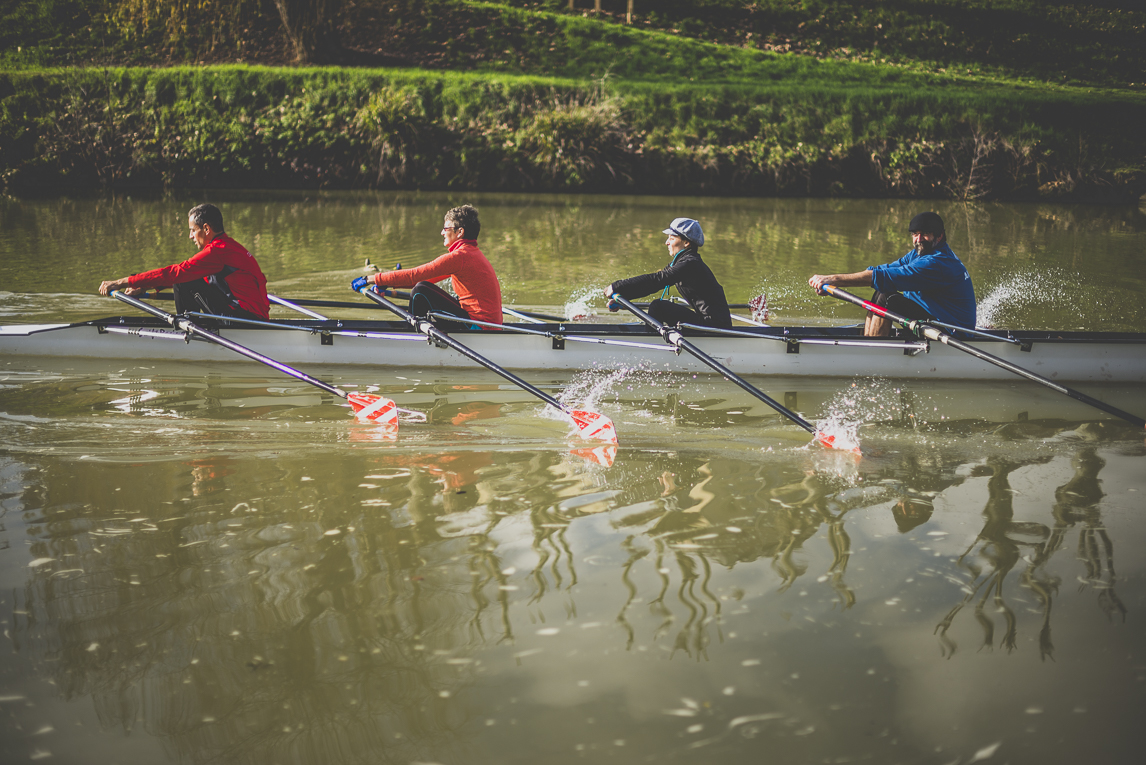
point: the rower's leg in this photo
(427, 297)
(203, 297)
(667, 312)
(876, 326)
(198, 295)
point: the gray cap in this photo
(688, 228)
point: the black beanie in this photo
(927, 223)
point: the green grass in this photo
(996, 39)
(337, 127)
(556, 101)
(1096, 43)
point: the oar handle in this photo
(848, 297)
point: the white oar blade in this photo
(377, 409)
(594, 426)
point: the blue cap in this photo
(688, 228)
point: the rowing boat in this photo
(789, 351)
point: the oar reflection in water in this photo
(700, 525)
(1002, 542)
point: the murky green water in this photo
(209, 563)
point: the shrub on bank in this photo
(339, 128)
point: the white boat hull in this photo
(1067, 357)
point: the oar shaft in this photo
(428, 329)
(946, 339)
(674, 337)
(295, 307)
(187, 325)
(297, 304)
(932, 333)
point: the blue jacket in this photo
(939, 282)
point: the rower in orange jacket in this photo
(470, 272)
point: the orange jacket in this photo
(471, 275)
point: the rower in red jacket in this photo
(222, 278)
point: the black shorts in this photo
(203, 297)
(904, 306)
(427, 297)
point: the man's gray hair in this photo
(207, 214)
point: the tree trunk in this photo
(309, 25)
(629, 13)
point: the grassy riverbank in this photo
(565, 103)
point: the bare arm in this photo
(858, 279)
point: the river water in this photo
(211, 563)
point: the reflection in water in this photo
(245, 579)
(1002, 540)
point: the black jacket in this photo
(693, 279)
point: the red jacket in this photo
(471, 274)
(237, 270)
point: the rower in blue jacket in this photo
(930, 282)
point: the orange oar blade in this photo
(377, 409)
(594, 426)
(601, 455)
(832, 442)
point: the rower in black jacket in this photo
(692, 277)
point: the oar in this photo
(673, 337)
(296, 303)
(682, 301)
(589, 424)
(366, 406)
(531, 316)
(927, 330)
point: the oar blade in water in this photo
(594, 426)
(843, 443)
(377, 409)
(759, 306)
(603, 455)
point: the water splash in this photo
(1007, 300)
(579, 306)
(784, 298)
(863, 400)
(838, 435)
(586, 389)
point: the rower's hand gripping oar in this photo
(366, 406)
(930, 332)
(591, 425)
(674, 337)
